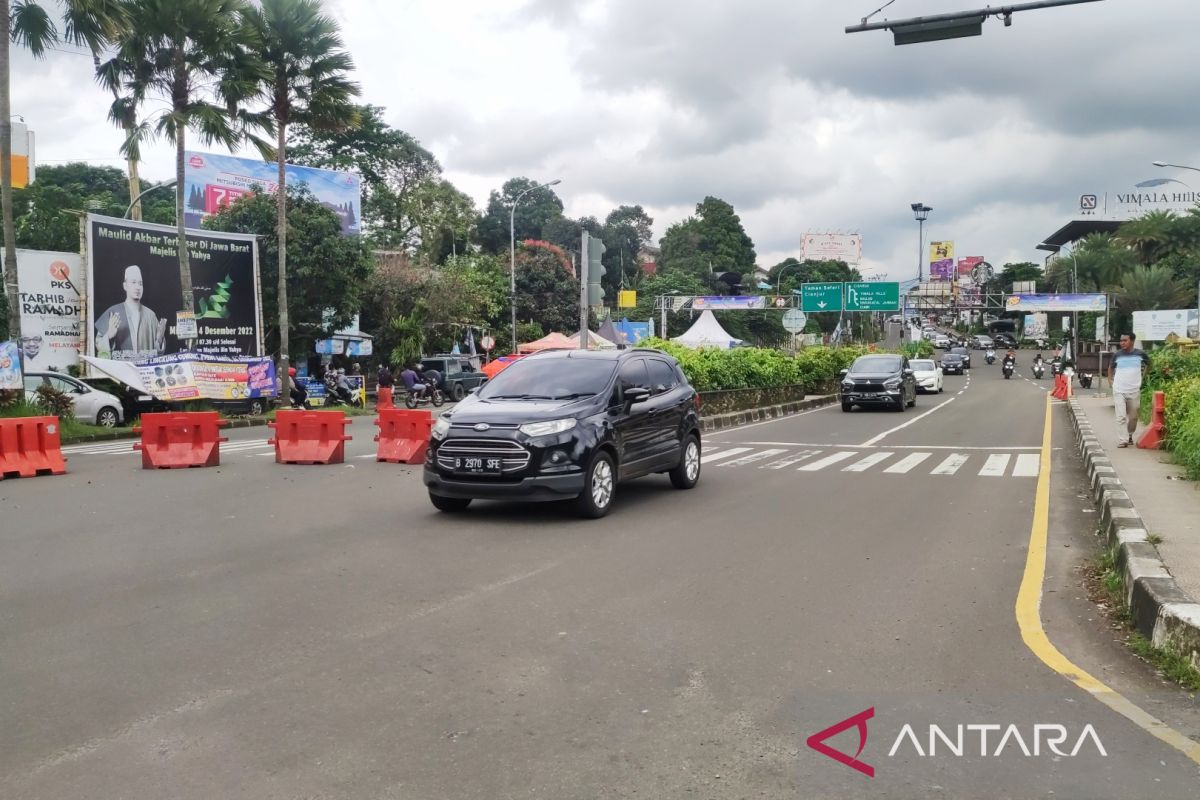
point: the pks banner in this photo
(51, 308)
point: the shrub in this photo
(709, 369)
(54, 403)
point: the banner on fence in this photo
(194, 376)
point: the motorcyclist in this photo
(298, 396)
(1010, 357)
(411, 382)
(343, 387)
(990, 355)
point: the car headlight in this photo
(848, 384)
(547, 428)
(440, 429)
(892, 383)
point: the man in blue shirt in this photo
(1126, 372)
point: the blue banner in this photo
(1056, 302)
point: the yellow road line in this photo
(1029, 599)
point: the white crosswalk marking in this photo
(995, 465)
(868, 462)
(950, 465)
(794, 458)
(751, 458)
(907, 463)
(821, 464)
(1028, 465)
(724, 454)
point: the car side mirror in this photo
(843, 373)
(636, 394)
(908, 371)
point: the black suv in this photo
(567, 424)
(879, 380)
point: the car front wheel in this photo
(599, 488)
(458, 392)
(687, 473)
(107, 418)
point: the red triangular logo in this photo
(859, 721)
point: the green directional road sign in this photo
(820, 297)
(872, 296)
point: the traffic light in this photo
(595, 271)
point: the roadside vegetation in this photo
(1176, 373)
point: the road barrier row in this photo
(180, 439)
(30, 446)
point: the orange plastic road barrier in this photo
(30, 446)
(383, 398)
(1152, 438)
(1060, 387)
(403, 436)
(309, 437)
(177, 439)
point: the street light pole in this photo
(921, 213)
(1074, 290)
(512, 246)
(166, 185)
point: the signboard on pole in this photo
(729, 303)
(873, 296)
(51, 306)
(1156, 326)
(213, 181)
(134, 292)
(831, 247)
(941, 260)
(820, 297)
(794, 320)
(1056, 302)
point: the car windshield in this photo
(867, 364)
(921, 365)
(550, 379)
(962, 351)
(952, 357)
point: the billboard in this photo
(1056, 302)
(941, 260)
(10, 366)
(134, 294)
(967, 265)
(214, 181)
(1036, 325)
(729, 302)
(51, 308)
(832, 247)
(1156, 326)
(24, 170)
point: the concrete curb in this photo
(1161, 610)
(735, 418)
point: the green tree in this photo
(305, 84)
(547, 293)
(199, 58)
(401, 180)
(1151, 288)
(627, 229)
(666, 282)
(326, 270)
(92, 23)
(538, 207)
(1150, 236)
(445, 218)
(712, 241)
(1014, 272)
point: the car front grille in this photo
(868, 386)
(513, 456)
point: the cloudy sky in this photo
(767, 104)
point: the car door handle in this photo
(652, 413)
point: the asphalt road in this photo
(267, 631)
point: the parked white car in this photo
(927, 373)
(91, 405)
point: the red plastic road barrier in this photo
(1154, 435)
(383, 398)
(178, 439)
(309, 437)
(1060, 387)
(403, 436)
(30, 446)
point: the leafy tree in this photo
(547, 293)
(666, 282)
(1150, 236)
(1151, 288)
(401, 180)
(445, 219)
(92, 23)
(627, 229)
(1014, 272)
(305, 84)
(326, 270)
(537, 208)
(198, 57)
(712, 241)
(567, 233)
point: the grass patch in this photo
(1154, 538)
(1172, 666)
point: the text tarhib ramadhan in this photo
(165, 246)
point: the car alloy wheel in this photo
(602, 484)
(599, 487)
(107, 418)
(687, 472)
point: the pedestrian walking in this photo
(1126, 372)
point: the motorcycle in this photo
(990, 356)
(1038, 369)
(433, 395)
(1056, 366)
(1007, 369)
(1085, 380)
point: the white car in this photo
(91, 405)
(927, 373)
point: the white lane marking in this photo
(825, 462)
(737, 462)
(995, 465)
(907, 463)
(1028, 466)
(918, 418)
(950, 465)
(724, 454)
(836, 446)
(865, 464)
(795, 458)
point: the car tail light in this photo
(696, 401)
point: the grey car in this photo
(92, 406)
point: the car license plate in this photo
(477, 465)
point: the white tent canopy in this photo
(595, 341)
(707, 332)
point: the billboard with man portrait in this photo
(135, 299)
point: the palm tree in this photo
(305, 83)
(124, 114)
(1152, 288)
(199, 57)
(91, 23)
(1149, 235)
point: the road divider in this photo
(30, 446)
(403, 435)
(310, 437)
(178, 439)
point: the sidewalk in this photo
(1143, 496)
